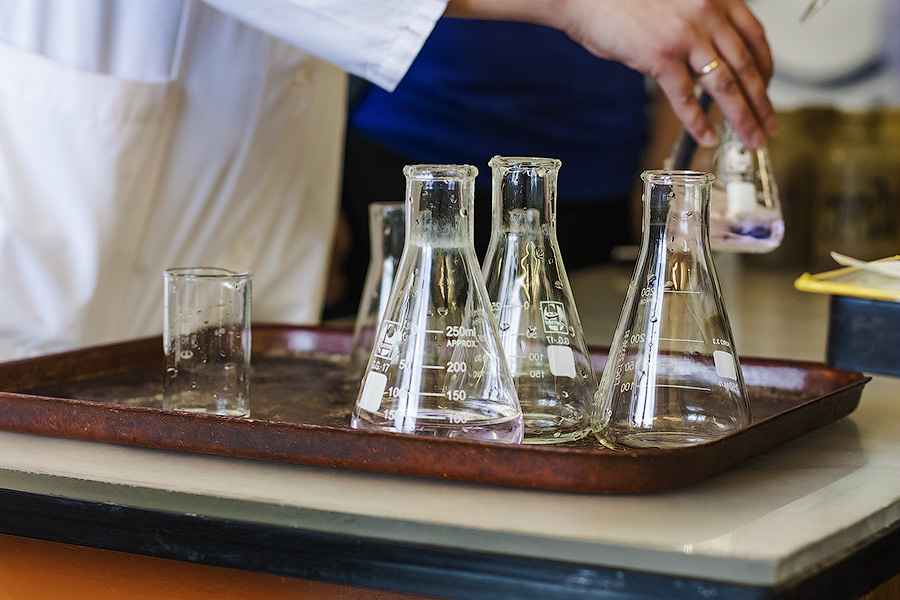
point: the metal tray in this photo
(301, 402)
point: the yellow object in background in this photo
(855, 281)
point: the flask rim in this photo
(672, 177)
(439, 172)
(203, 273)
(524, 162)
(386, 209)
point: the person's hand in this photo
(717, 44)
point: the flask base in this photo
(446, 424)
(543, 428)
(659, 439)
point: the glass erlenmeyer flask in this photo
(745, 212)
(673, 377)
(526, 281)
(387, 232)
(437, 367)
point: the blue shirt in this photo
(480, 88)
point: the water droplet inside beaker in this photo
(539, 253)
(443, 311)
(532, 330)
(504, 326)
(187, 354)
(558, 285)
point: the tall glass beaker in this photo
(526, 281)
(437, 367)
(387, 232)
(673, 377)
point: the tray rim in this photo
(715, 456)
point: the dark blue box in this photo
(864, 335)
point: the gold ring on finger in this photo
(709, 67)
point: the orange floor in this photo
(38, 570)
(35, 569)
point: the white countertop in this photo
(763, 522)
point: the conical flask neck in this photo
(439, 201)
(524, 192)
(387, 230)
(676, 209)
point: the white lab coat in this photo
(137, 135)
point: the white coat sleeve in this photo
(374, 39)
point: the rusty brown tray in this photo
(301, 402)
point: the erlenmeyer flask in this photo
(387, 232)
(437, 367)
(672, 378)
(526, 281)
(745, 212)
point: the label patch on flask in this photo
(562, 361)
(373, 391)
(553, 315)
(389, 335)
(741, 196)
(724, 365)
